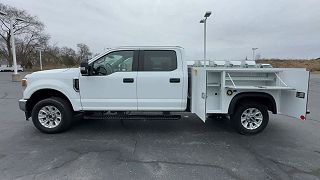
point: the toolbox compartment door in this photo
(198, 92)
(293, 103)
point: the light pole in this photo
(40, 57)
(40, 60)
(204, 21)
(253, 53)
(15, 75)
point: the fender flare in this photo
(271, 103)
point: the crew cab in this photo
(156, 82)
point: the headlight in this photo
(24, 83)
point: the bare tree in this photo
(29, 34)
(83, 52)
(51, 55)
(68, 56)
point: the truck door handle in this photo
(128, 80)
(174, 80)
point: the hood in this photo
(55, 73)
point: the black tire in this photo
(65, 111)
(244, 108)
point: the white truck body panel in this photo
(289, 104)
(57, 79)
(281, 83)
(156, 93)
(151, 91)
(198, 101)
(109, 92)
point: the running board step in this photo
(135, 117)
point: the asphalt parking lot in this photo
(180, 149)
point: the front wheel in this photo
(52, 115)
(250, 118)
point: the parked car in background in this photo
(3, 67)
(6, 68)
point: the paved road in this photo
(182, 149)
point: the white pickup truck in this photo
(132, 82)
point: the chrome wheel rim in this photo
(251, 118)
(49, 116)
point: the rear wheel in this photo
(250, 118)
(52, 115)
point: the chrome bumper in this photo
(22, 104)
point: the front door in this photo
(112, 83)
(160, 81)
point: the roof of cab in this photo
(136, 48)
(148, 47)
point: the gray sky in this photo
(279, 28)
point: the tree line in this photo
(30, 38)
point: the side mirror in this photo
(84, 68)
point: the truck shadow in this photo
(185, 124)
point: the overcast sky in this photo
(279, 28)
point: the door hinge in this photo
(76, 84)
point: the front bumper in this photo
(23, 104)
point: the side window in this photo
(113, 62)
(162, 60)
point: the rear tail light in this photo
(302, 117)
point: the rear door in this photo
(294, 102)
(160, 80)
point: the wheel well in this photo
(43, 94)
(263, 98)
